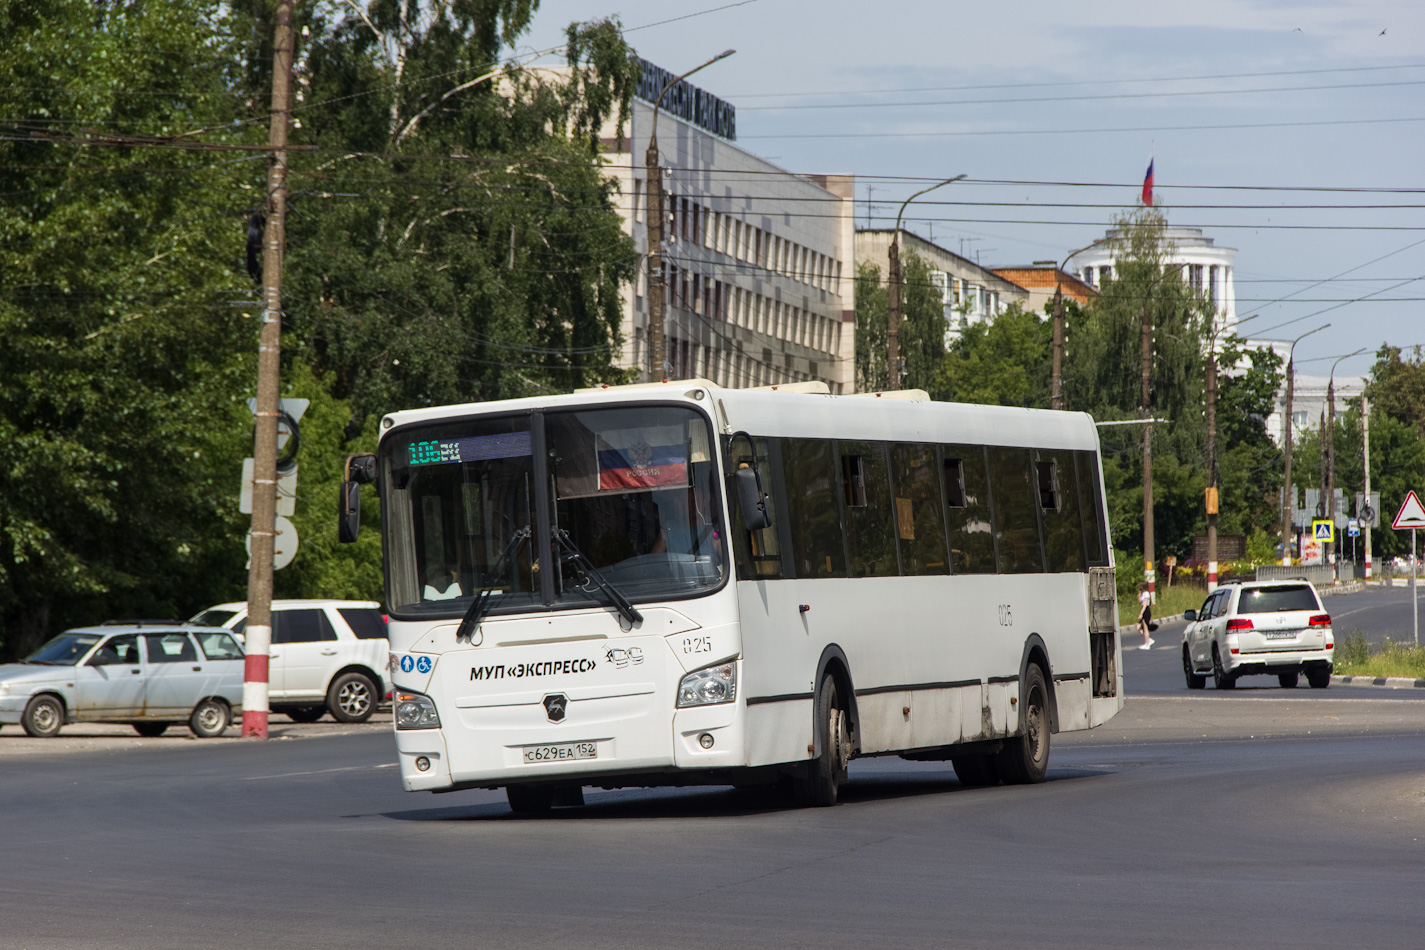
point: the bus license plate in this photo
(1281, 635)
(561, 751)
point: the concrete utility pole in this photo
(1212, 491)
(1331, 456)
(1288, 497)
(657, 305)
(893, 277)
(1056, 376)
(1149, 574)
(1366, 503)
(269, 350)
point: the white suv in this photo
(1275, 627)
(327, 656)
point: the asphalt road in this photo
(1188, 821)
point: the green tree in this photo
(453, 237)
(1003, 362)
(921, 335)
(121, 348)
(1397, 386)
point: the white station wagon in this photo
(326, 656)
(148, 675)
(1273, 627)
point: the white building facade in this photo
(758, 261)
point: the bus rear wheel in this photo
(1024, 759)
(820, 780)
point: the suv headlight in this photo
(716, 684)
(414, 711)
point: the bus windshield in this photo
(634, 490)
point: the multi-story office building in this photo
(970, 293)
(758, 261)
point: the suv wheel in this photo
(352, 698)
(1319, 677)
(1194, 680)
(1220, 677)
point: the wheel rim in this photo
(354, 699)
(1034, 725)
(45, 717)
(210, 718)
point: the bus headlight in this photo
(716, 684)
(414, 711)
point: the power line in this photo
(1081, 130)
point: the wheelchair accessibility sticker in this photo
(409, 663)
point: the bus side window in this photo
(1016, 521)
(870, 527)
(1059, 502)
(967, 510)
(758, 553)
(813, 509)
(920, 521)
(1091, 501)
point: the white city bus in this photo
(678, 584)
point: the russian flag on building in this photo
(1148, 185)
(652, 457)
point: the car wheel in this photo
(1024, 759)
(1319, 678)
(352, 698)
(150, 730)
(304, 713)
(530, 799)
(43, 717)
(819, 781)
(1288, 680)
(1220, 677)
(975, 771)
(210, 718)
(1194, 680)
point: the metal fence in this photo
(1318, 575)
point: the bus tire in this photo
(1024, 759)
(530, 799)
(975, 771)
(819, 781)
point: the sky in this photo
(1291, 131)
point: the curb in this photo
(1351, 588)
(1386, 682)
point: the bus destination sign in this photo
(475, 448)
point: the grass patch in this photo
(1171, 601)
(1354, 657)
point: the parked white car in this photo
(148, 675)
(327, 656)
(1273, 627)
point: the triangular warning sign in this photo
(1412, 514)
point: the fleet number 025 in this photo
(1006, 615)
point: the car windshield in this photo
(1271, 600)
(635, 489)
(211, 618)
(67, 649)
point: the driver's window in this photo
(120, 650)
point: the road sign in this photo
(286, 490)
(293, 407)
(1411, 515)
(1353, 528)
(284, 546)
(1323, 530)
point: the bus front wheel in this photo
(820, 779)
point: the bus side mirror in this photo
(360, 470)
(752, 498)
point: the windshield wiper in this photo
(620, 602)
(480, 605)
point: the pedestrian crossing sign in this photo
(1323, 530)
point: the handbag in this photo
(1152, 625)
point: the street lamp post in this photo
(1056, 379)
(1287, 495)
(893, 275)
(657, 343)
(1331, 453)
